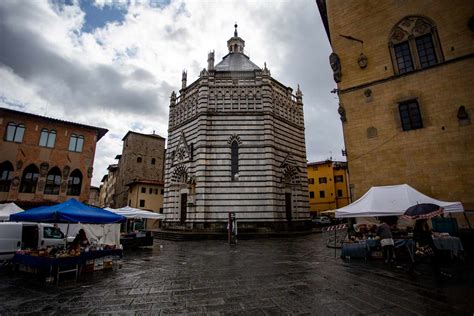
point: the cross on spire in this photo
(235, 32)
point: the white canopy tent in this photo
(131, 213)
(8, 209)
(102, 234)
(392, 200)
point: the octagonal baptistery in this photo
(236, 144)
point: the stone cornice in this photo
(395, 77)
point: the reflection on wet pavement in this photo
(256, 277)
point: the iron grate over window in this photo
(410, 115)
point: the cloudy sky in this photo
(114, 64)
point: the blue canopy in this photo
(70, 211)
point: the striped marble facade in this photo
(230, 104)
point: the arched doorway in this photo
(290, 180)
(179, 180)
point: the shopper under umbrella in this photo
(422, 234)
(423, 211)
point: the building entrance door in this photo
(184, 206)
(288, 206)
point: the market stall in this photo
(387, 202)
(391, 200)
(79, 257)
(54, 266)
(371, 248)
(132, 236)
(7, 209)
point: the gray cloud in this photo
(304, 50)
(62, 80)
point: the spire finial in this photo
(235, 32)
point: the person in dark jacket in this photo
(80, 240)
(422, 234)
(425, 247)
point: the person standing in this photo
(386, 241)
(80, 240)
(425, 247)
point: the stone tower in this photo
(236, 144)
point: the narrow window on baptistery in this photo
(234, 169)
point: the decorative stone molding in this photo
(342, 113)
(63, 186)
(398, 35)
(335, 63)
(288, 161)
(15, 182)
(19, 164)
(290, 175)
(407, 30)
(204, 73)
(44, 167)
(66, 171)
(182, 151)
(362, 61)
(265, 71)
(368, 95)
(410, 26)
(233, 138)
(421, 27)
(372, 132)
(179, 175)
(90, 170)
(180, 154)
(41, 184)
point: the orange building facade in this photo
(45, 160)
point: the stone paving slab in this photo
(292, 276)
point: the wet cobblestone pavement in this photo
(298, 276)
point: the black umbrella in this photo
(423, 211)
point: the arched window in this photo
(47, 138)
(153, 161)
(414, 44)
(76, 142)
(29, 179)
(53, 181)
(234, 168)
(6, 175)
(139, 159)
(74, 183)
(15, 132)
